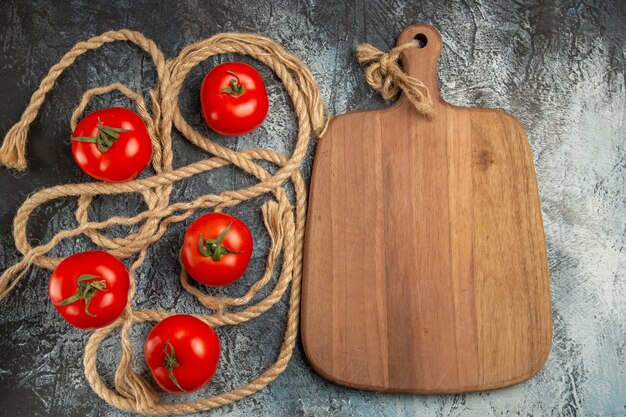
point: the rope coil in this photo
(385, 76)
(284, 221)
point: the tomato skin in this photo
(196, 347)
(229, 115)
(126, 157)
(230, 267)
(106, 305)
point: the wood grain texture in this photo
(425, 260)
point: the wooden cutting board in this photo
(425, 261)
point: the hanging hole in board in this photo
(421, 39)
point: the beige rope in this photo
(284, 221)
(385, 76)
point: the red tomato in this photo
(233, 98)
(89, 289)
(182, 353)
(112, 144)
(217, 249)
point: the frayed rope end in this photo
(13, 149)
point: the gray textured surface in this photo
(558, 66)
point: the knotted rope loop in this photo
(385, 76)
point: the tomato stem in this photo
(171, 363)
(87, 288)
(236, 89)
(214, 247)
(105, 137)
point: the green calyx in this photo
(87, 288)
(105, 138)
(236, 89)
(171, 363)
(214, 247)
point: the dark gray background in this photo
(558, 66)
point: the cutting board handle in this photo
(421, 63)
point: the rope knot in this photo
(385, 61)
(385, 76)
